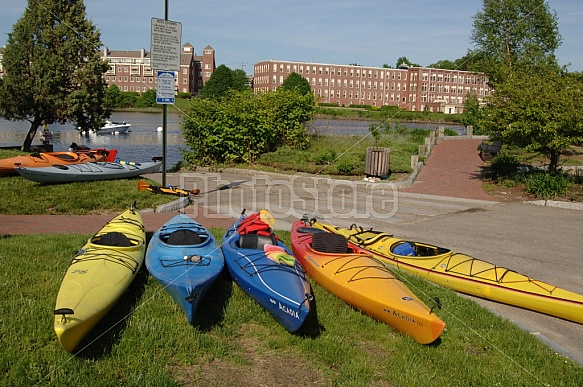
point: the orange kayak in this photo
(363, 282)
(47, 159)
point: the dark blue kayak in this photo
(185, 259)
(281, 288)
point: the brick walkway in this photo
(453, 169)
(90, 224)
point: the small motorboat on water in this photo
(112, 128)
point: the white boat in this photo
(111, 128)
(114, 128)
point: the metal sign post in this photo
(165, 57)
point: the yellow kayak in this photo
(98, 276)
(465, 274)
(363, 282)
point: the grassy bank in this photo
(24, 197)
(145, 339)
(344, 156)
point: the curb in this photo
(173, 205)
(556, 203)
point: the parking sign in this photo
(165, 87)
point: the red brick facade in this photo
(131, 71)
(414, 88)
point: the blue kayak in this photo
(280, 286)
(185, 259)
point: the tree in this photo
(403, 61)
(53, 69)
(113, 97)
(296, 82)
(515, 34)
(147, 99)
(443, 64)
(240, 80)
(473, 113)
(218, 85)
(540, 114)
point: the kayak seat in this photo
(183, 238)
(404, 249)
(113, 238)
(330, 243)
(255, 241)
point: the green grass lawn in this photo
(145, 339)
(24, 197)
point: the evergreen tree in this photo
(53, 69)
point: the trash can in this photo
(377, 162)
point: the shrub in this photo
(545, 186)
(183, 95)
(503, 167)
(345, 167)
(418, 135)
(329, 156)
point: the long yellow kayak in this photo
(362, 281)
(98, 275)
(465, 274)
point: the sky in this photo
(367, 32)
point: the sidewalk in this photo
(452, 170)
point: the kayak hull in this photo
(98, 276)
(282, 290)
(88, 172)
(465, 274)
(186, 259)
(364, 283)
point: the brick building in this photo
(415, 88)
(131, 71)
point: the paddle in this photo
(142, 186)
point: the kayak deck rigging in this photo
(114, 255)
(261, 268)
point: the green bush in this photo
(345, 167)
(183, 95)
(327, 157)
(418, 135)
(544, 186)
(503, 167)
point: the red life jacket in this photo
(254, 225)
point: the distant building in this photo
(414, 88)
(131, 71)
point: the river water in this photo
(145, 142)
